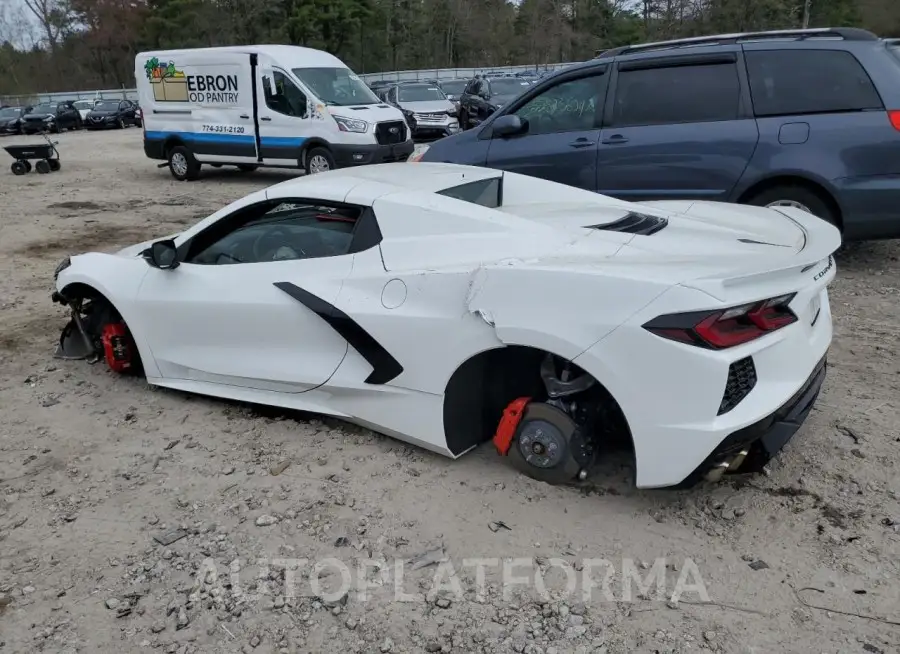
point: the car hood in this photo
(101, 114)
(677, 229)
(137, 248)
(709, 246)
(428, 106)
(38, 116)
(372, 113)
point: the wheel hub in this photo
(542, 444)
(179, 164)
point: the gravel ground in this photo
(96, 469)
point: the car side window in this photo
(565, 107)
(470, 87)
(279, 230)
(478, 88)
(288, 99)
(677, 94)
(788, 82)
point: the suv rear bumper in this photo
(871, 206)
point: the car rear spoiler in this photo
(812, 263)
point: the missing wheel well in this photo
(483, 386)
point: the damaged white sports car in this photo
(448, 305)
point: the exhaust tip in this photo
(717, 472)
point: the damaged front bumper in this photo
(751, 448)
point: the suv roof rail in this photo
(845, 33)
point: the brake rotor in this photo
(544, 445)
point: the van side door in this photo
(204, 99)
(676, 126)
(286, 114)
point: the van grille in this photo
(391, 132)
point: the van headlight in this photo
(351, 124)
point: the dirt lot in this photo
(94, 466)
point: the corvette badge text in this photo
(824, 271)
(436, 579)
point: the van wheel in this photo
(182, 164)
(798, 197)
(318, 160)
(247, 168)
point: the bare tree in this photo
(54, 17)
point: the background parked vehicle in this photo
(485, 95)
(11, 119)
(112, 113)
(429, 113)
(84, 106)
(51, 117)
(453, 89)
(805, 118)
(138, 116)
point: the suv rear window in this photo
(787, 82)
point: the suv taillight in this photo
(894, 117)
(725, 328)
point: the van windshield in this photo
(336, 86)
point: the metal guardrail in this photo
(395, 75)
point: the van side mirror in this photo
(509, 125)
(163, 255)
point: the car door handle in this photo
(614, 139)
(245, 117)
(581, 143)
(265, 118)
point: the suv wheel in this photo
(798, 197)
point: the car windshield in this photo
(83, 104)
(420, 93)
(44, 108)
(455, 87)
(108, 105)
(336, 86)
(507, 86)
(10, 112)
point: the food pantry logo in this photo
(331, 580)
(172, 85)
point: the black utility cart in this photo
(45, 155)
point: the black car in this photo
(112, 113)
(51, 117)
(484, 95)
(454, 88)
(11, 119)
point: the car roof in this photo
(294, 55)
(383, 179)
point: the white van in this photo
(263, 105)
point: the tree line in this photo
(67, 45)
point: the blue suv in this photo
(806, 118)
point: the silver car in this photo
(428, 111)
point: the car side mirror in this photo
(509, 125)
(163, 255)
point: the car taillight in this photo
(726, 327)
(894, 117)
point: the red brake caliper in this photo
(116, 346)
(512, 415)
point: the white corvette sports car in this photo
(446, 305)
